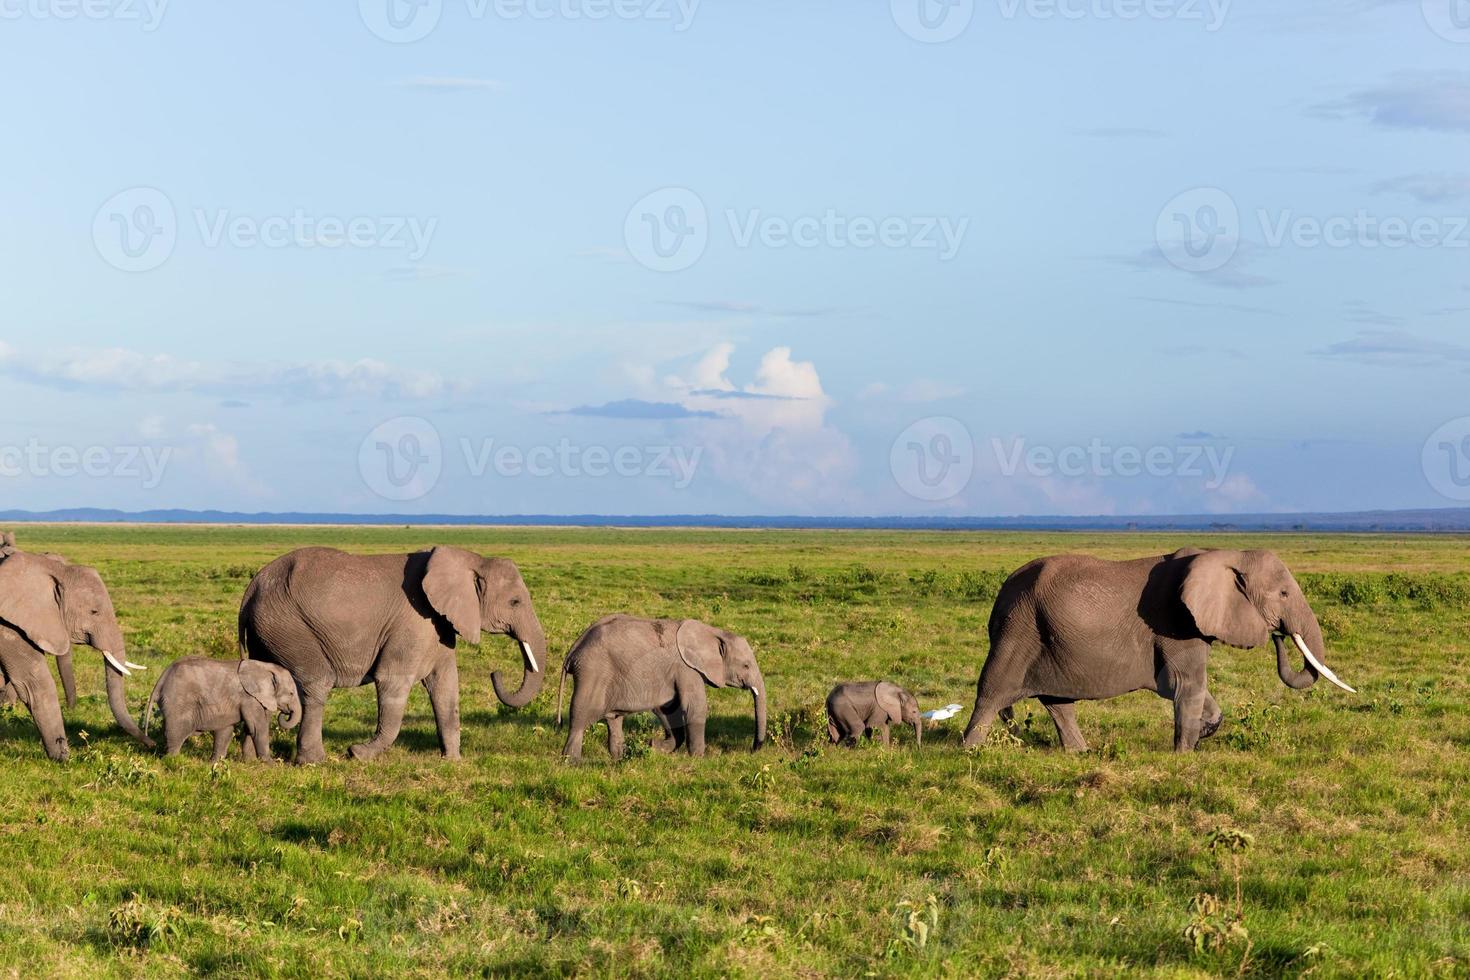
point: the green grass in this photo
(800, 860)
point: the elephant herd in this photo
(1063, 629)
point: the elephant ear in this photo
(30, 601)
(890, 698)
(1214, 592)
(702, 648)
(258, 682)
(452, 588)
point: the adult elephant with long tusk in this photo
(1075, 628)
(339, 620)
(46, 605)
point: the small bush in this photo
(139, 924)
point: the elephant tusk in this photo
(116, 665)
(133, 666)
(530, 657)
(1322, 668)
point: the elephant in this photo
(856, 708)
(624, 665)
(1074, 628)
(202, 695)
(339, 620)
(46, 605)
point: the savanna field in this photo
(1318, 833)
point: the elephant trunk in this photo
(292, 717)
(118, 702)
(1307, 634)
(533, 653)
(918, 731)
(758, 693)
(68, 679)
(1295, 679)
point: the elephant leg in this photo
(1064, 716)
(672, 739)
(222, 737)
(1189, 704)
(998, 687)
(695, 705)
(392, 701)
(176, 731)
(1007, 717)
(987, 709)
(30, 679)
(309, 750)
(443, 687)
(582, 718)
(1212, 717)
(247, 749)
(614, 736)
(833, 735)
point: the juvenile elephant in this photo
(857, 708)
(624, 665)
(46, 605)
(202, 695)
(1075, 628)
(339, 620)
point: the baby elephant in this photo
(201, 695)
(624, 665)
(858, 707)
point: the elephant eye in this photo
(517, 602)
(1284, 593)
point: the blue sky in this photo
(578, 256)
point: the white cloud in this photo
(120, 369)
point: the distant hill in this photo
(1456, 519)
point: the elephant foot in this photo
(310, 757)
(1208, 728)
(452, 756)
(664, 745)
(364, 752)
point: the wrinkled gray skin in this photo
(858, 708)
(201, 695)
(339, 620)
(1075, 628)
(624, 665)
(46, 605)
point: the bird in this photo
(939, 714)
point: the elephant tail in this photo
(153, 697)
(570, 661)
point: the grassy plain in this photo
(1317, 833)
